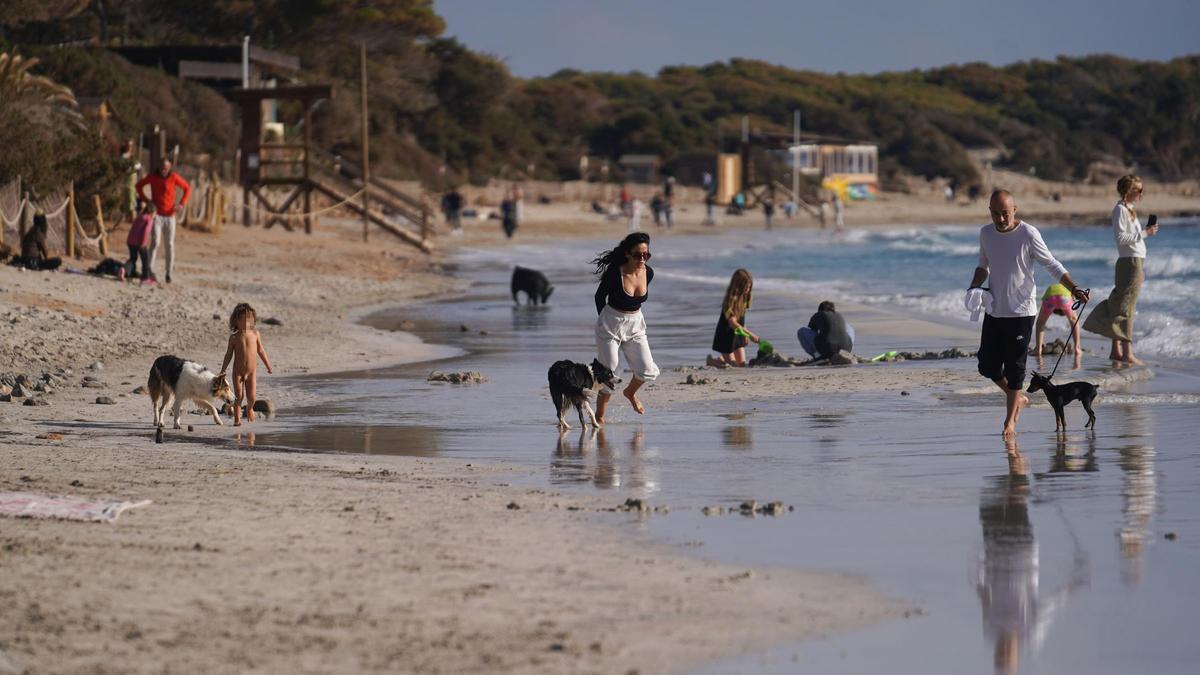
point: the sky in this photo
(539, 37)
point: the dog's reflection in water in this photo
(572, 461)
(588, 457)
(1071, 457)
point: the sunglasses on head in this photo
(639, 256)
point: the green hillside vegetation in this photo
(435, 101)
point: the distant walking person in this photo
(656, 209)
(621, 329)
(1113, 317)
(452, 203)
(1007, 251)
(508, 217)
(635, 215)
(839, 212)
(163, 184)
(133, 168)
(669, 202)
(768, 207)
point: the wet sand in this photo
(251, 560)
(900, 488)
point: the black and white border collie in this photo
(575, 384)
(174, 378)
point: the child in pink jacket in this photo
(139, 242)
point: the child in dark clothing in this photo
(726, 339)
(827, 333)
(139, 241)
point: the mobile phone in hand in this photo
(1153, 220)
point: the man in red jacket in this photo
(162, 193)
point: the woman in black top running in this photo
(624, 286)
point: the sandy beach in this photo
(269, 561)
(323, 563)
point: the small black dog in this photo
(574, 384)
(533, 283)
(1061, 394)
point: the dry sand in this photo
(323, 563)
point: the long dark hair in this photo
(618, 255)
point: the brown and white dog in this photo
(174, 378)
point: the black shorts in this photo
(1003, 348)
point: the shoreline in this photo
(299, 553)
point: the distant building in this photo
(640, 168)
(219, 66)
(851, 170)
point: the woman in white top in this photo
(1113, 317)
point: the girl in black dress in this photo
(727, 343)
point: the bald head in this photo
(1003, 209)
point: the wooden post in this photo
(307, 187)
(100, 225)
(71, 222)
(366, 147)
(26, 214)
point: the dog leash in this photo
(1077, 309)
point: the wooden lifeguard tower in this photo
(303, 169)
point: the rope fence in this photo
(319, 212)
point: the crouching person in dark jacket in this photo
(826, 333)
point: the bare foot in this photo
(1010, 431)
(1134, 361)
(637, 405)
(237, 423)
(250, 414)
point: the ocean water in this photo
(923, 270)
(1058, 565)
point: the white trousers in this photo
(624, 333)
(163, 233)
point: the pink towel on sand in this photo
(33, 505)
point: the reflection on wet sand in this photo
(530, 318)
(739, 436)
(588, 457)
(1139, 493)
(1015, 615)
(1070, 456)
(356, 439)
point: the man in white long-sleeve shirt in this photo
(1007, 251)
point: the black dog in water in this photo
(533, 283)
(574, 384)
(1061, 394)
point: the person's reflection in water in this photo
(642, 475)
(1139, 493)
(607, 474)
(248, 441)
(1014, 614)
